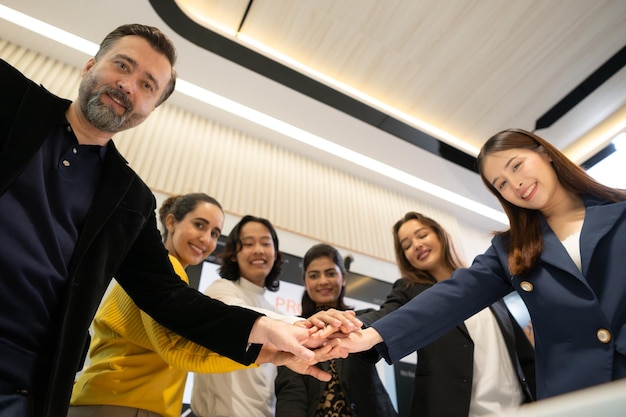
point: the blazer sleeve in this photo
(437, 310)
(149, 279)
(14, 86)
(182, 353)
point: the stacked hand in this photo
(331, 321)
(301, 346)
(321, 354)
(357, 341)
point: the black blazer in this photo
(119, 238)
(298, 395)
(444, 373)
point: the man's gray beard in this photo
(103, 117)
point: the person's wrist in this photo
(259, 331)
(373, 337)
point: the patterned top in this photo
(333, 400)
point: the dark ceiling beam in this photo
(599, 156)
(582, 90)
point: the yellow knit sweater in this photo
(135, 362)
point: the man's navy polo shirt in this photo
(42, 214)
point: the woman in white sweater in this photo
(251, 265)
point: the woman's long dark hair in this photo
(230, 268)
(525, 240)
(322, 250)
(450, 257)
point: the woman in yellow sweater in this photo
(136, 365)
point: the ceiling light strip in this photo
(337, 150)
(48, 31)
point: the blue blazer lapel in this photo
(599, 220)
(554, 252)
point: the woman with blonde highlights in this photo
(490, 341)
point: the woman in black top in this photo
(446, 384)
(357, 390)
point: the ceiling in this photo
(418, 85)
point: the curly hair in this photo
(229, 268)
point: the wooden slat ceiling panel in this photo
(466, 67)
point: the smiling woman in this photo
(425, 255)
(356, 388)
(135, 363)
(250, 264)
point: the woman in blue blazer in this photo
(564, 254)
